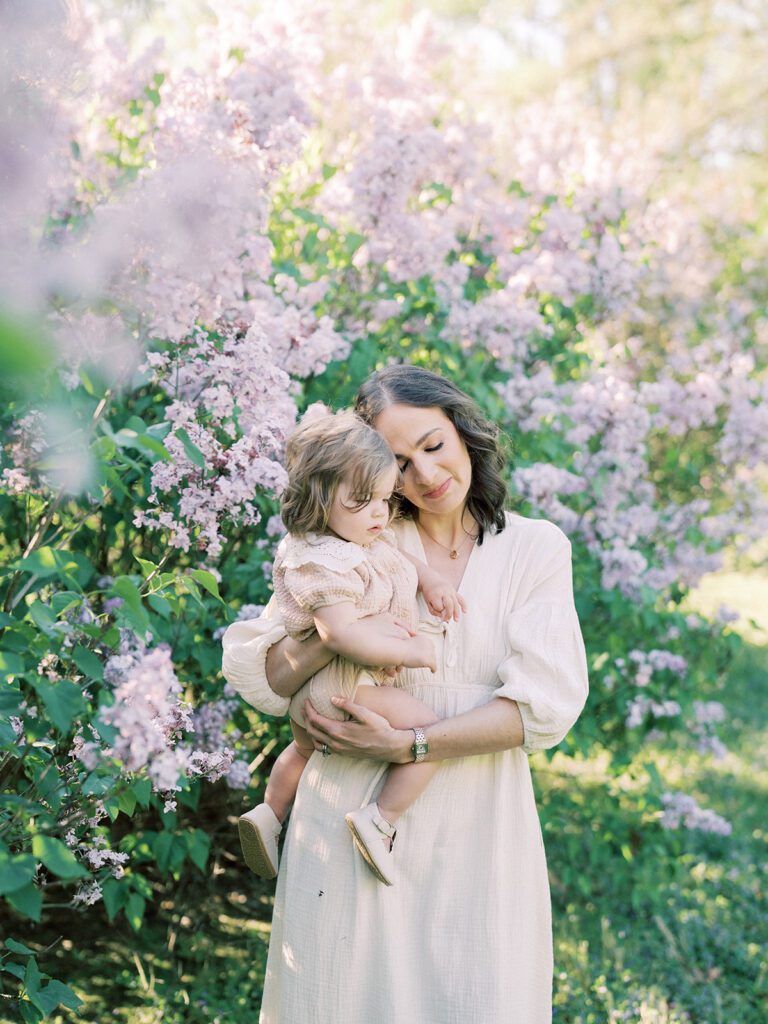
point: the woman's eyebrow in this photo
(420, 441)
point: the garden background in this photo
(559, 203)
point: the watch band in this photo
(420, 747)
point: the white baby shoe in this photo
(259, 831)
(368, 827)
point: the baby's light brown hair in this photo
(324, 450)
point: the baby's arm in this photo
(442, 599)
(365, 643)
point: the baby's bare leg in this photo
(404, 782)
(284, 778)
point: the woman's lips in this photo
(438, 491)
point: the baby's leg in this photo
(284, 778)
(404, 782)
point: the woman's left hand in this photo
(365, 734)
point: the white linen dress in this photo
(463, 936)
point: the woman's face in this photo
(432, 457)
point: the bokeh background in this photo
(215, 214)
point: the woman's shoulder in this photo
(522, 531)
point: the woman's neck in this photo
(450, 529)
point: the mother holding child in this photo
(413, 884)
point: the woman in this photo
(465, 933)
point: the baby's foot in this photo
(259, 831)
(369, 831)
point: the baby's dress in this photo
(317, 571)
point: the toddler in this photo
(338, 564)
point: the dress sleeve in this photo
(545, 671)
(245, 655)
(315, 586)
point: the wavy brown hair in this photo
(321, 452)
(403, 384)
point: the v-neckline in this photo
(424, 558)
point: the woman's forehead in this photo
(406, 427)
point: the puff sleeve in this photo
(313, 586)
(244, 659)
(545, 671)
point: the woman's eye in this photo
(434, 448)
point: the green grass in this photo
(670, 928)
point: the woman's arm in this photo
(488, 729)
(290, 663)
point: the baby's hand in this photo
(443, 600)
(421, 653)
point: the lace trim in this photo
(329, 552)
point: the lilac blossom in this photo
(682, 810)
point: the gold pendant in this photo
(454, 553)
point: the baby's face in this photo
(361, 524)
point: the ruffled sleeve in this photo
(546, 669)
(245, 655)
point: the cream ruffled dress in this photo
(463, 936)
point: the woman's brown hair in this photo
(403, 384)
(325, 449)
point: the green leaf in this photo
(10, 700)
(57, 857)
(133, 609)
(88, 663)
(126, 801)
(143, 790)
(16, 872)
(147, 567)
(19, 947)
(161, 605)
(63, 701)
(134, 910)
(28, 901)
(198, 845)
(10, 664)
(25, 351)
(193, 453)
(208, 581)
(114, 893)
(30, 1013)
(32, 977)
(43, 617)
(17, 970)
(63, 600)
(56, 993)
(47, 561)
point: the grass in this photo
(650, 927)
(670, 929)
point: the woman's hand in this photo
(366, 734)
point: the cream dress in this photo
(463, 936)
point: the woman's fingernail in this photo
(337, 700)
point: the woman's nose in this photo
(423, 471)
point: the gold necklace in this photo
(453, 552)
